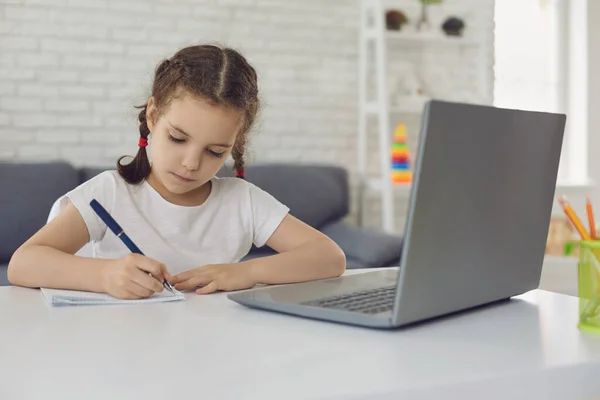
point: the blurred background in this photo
(71, 72)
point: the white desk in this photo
(212, 348)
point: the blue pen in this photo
(117, 230)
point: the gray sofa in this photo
(315, 194)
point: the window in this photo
(539, 56)
(526, 55)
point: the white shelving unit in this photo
(373, 33)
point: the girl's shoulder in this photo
(233, 184)
(234, 189)
(103, 180)
(108, 179)
(106, 185)
(241, 190)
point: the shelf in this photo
(561, 260)
(585, 186)
(387, 103)
(413, 36)
(409, 107)
(430, 38)
(376, 184)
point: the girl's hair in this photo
(221, 76)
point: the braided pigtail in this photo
(139, 168)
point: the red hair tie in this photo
(239, 173)
(143, 142)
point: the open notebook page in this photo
(57, 297)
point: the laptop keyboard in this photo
(371, 301)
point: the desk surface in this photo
(208, 346)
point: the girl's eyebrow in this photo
(179, 129)
(184, 133)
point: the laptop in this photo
(478, 218)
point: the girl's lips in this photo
(182, 178)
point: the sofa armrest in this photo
(373, 248)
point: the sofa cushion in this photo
(27, 192)
(315, 194)
(87, 173)
(3, 278)
(372, 248)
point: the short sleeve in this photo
(267, 214)
(102, 187)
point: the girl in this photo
(192, 226)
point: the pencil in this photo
(590, 215)
(573, 218)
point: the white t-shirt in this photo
(235, 215)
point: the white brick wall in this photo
(72, 70)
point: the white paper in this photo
(57, 297)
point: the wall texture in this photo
(72, 70)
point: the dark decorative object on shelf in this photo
(453, 26)
(394, 20)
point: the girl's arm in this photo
(304, 254)
(47, 259)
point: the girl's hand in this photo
(127, 277)
(223, 277)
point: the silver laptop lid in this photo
(480, 207)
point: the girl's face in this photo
(190, 141)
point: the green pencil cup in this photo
(588, 286)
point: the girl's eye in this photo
(214, 153)
(176, 140)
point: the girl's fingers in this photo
(184, 276)
(210, 288)
(147, 281)
(166, 274)
(187, 275)
(138, 290)
(149, 265)
(127, 295)
(194, 282)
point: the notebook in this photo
(57, 297)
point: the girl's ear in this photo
(151, 114)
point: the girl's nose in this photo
(191, 162)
